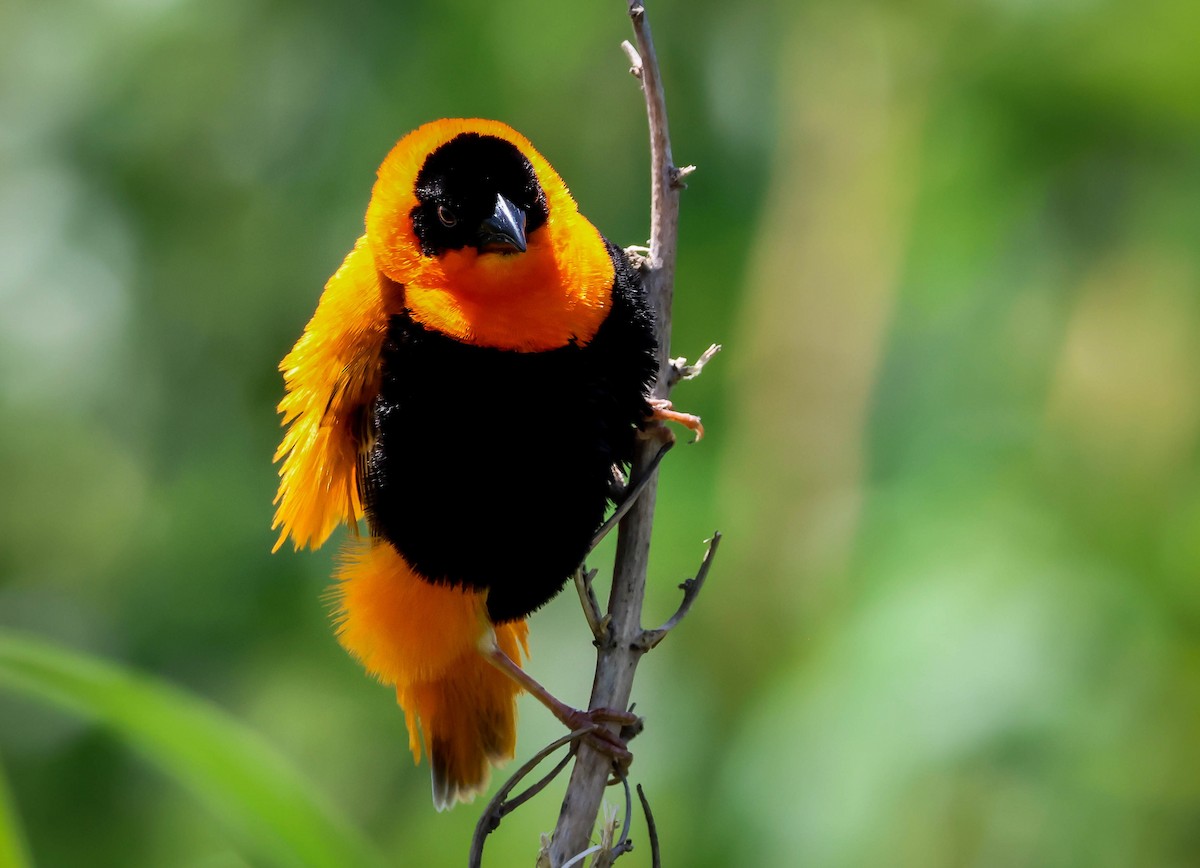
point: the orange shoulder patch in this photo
(331, 375)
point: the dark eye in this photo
(446, 216)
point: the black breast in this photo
(490, 467)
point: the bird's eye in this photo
(445, 215)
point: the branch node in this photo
(591, 606)
(635, 59)
(676, 174)
(604, 640)
(681, 370)
(639, 258)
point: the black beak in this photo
(504, 231)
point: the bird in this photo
(475, 374)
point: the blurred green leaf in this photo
(273, 810)
(13, 853)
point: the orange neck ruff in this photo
(558, 290)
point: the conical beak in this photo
(504, 231)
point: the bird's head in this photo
(485, 238)
(479, 192)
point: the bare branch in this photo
(651, 829)
(618, 657)
(691, 590)
(664, 196)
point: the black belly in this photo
(491, 468)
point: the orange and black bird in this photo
(473, 373)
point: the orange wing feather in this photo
(331, 375)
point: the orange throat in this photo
(556, 292)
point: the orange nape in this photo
(424, 639)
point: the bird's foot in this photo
(661, 410)
(595, 721)
(601, 738)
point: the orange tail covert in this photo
(423, 639)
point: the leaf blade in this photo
(239, 777)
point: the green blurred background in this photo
(951, 249)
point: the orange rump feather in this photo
(424, 639)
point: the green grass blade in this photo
(243, 780)
(13, 852)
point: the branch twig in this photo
(691, 590)
(499, 807)
(651, 829)
(587, 599)
(609, 852)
